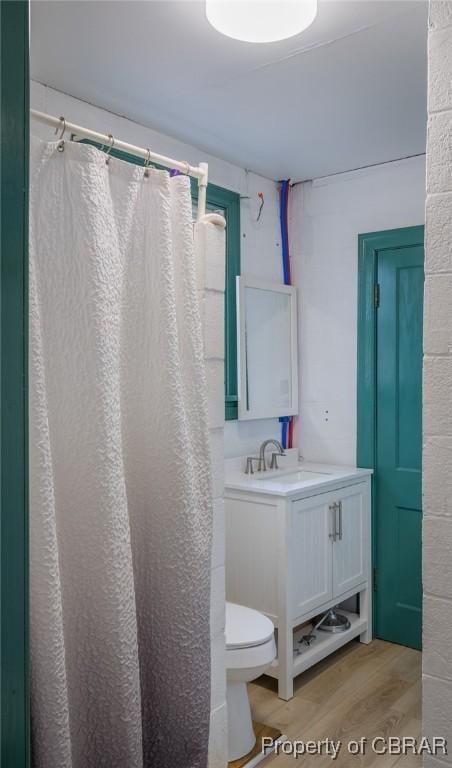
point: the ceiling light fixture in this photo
(261, 21)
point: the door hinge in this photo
(376, 295)
(374, 579)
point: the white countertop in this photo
(284, 481)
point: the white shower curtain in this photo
(120, 490)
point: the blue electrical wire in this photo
(286, 276)
(284, 240)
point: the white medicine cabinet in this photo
(266, 349)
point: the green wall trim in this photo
(369, 245)
(14, 154)
(228, 202)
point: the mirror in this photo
(266, 349)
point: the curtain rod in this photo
(199, 172)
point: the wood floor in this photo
(261, 731)
(362, 690)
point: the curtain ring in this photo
(61, 127)
(60, 146)
(111, 145)
(147, 163)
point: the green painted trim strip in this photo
(368, 247)
(14, 154)
(229, 203)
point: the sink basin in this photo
(292, 478)
(300, 476)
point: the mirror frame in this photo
(242, 283)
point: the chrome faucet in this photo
(274, 461)
(262, 466)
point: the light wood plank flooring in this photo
(362, 690)
(261, 731)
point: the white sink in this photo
(292, 478)
(300, 476)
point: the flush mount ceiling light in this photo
(260, 21)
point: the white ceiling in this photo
(348, 92)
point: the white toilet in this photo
(250, 649)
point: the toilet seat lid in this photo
(246, 627)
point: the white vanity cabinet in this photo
(293, 553)
(327, 547)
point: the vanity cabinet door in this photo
(310, 555)
(350, 545)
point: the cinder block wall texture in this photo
(210, 247)
(437, 529)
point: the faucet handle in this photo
(274, 460)
(249, 464)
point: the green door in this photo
(398, 433)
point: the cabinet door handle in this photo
(340, 521)
(333, 509)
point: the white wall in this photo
(260, 241)
(437, 454)
(327, 215)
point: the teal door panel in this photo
(398, 505)
(14, 138)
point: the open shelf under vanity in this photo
(323, 644)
